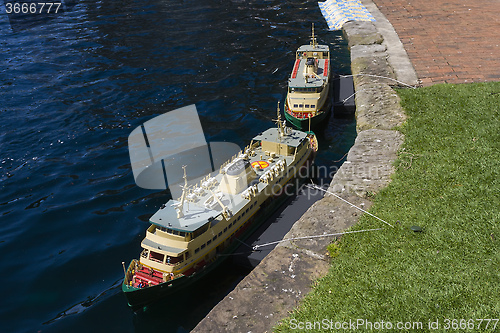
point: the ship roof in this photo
(297, 79)
(293, 138)
(193, 218)
(152, 244)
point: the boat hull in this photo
(138, 298)
(303, 123)
(315, 121)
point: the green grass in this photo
(448, 182)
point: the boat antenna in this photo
(313, 38)
(180, 205)
(281, 125)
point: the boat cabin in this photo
(308, 51)
(272, 143)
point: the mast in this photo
(179, 207)
(281, 125)
(314, 43)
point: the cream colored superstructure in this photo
(222, 206)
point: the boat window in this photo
(182, 233)
(230, 225)
(175, 232)
(313, 106)
(187, 255)
(239, 217)
(295, 105)
(197, 250)
(209, 242)
(325, 54)
(200, 231)
(301, 105)
(307, 106)
(215, 237)
(247, 210)
(225, 229)
(220, 233)
(203, 246)
(174, 260)
(156, 256)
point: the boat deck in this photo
(147, 276)
(202, 206)
(298, 80)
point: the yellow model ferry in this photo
(191, 235)
(307, 100)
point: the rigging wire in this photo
(255, 247)
(364, 211)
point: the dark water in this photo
(72, 88)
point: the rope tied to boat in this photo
(313, 186)
(255, 247)
(378, 76)
(338, 197)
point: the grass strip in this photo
(447, 181)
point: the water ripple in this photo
(72, 89)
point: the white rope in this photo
(364, 211)
(255, 247)
(381, 77)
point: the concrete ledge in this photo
(266, 295)
(365, 34)
(368, 167)
(377, 107)
(282, 279)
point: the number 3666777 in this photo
(32, 8)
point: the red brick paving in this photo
(454, 41)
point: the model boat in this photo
(307, 101)
(190, 236)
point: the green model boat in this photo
(307, 101)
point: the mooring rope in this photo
(380, 77)
(364, 211)
(255, 247)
